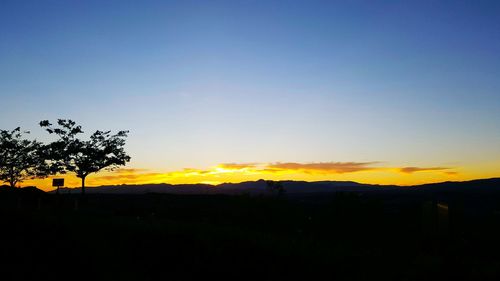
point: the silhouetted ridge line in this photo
(290, 187)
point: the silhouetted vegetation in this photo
(275, 187)
(71, 154)
(20, 158)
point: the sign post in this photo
(57, 183)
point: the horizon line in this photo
(249, 181)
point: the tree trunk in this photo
(12, 181)
(83, 185)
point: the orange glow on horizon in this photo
(369, 172)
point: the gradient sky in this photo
(213, 91)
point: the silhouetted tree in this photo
(19, 157)
(70, 154)
(275, 187)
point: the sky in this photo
(386, 92)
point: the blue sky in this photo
(205, 82)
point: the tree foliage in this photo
(20, 159)
(102, 150)
(275, 187)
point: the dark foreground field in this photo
(379, 235)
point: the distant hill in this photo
(25, 190)
(291, 187)
(478, 184)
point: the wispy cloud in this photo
(129, 175)
(324, 167)
(410, 170)
(238, 166)
(129, 170)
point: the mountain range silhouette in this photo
(291, 187)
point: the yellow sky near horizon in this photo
(363, 172)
